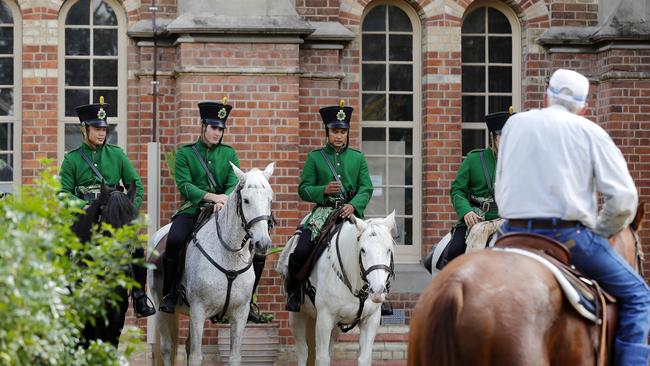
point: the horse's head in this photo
(376, 254)
(255, 196)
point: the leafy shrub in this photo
(51, 284)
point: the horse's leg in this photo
(367, 332)
(167, 327)
(239, 317)
(333, 336)
(324, 325)
(116, 315)
(197, 319)
(298, 323)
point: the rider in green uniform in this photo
(346, 185)
(78, 178)
(472, 192)
(198, 189)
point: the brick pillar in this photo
(39, 89)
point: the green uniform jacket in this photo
(110, 160)
(350, 166)
(191, 179)
(471, 181)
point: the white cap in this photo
(568, 85)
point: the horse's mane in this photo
(119, 210)
(638, 219)
(255, 179)
(115, 208)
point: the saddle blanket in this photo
(584, 305)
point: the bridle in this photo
(231, 275)
(246, 225)
(362, 293)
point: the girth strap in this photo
(230, 275)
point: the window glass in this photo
(91, 62)
(486, 80)
(387, 115)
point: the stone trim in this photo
(210, 71)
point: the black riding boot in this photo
(170, 295)
(141, 303)
(254, 314)
(294, 293)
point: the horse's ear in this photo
(238, 172)
(360, 224)
(268, 171)
(130, 193)
(104, 190)
(390, 220)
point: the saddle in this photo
(585, 295)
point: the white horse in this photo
(351, 279)
(218, 277)
(480, 236)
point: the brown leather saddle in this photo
(560, 256)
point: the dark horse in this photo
(499, 308)
(115, 208)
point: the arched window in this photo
(491, 76)
(9, 97)
(93, 57)
(390, 118)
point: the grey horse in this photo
(222, 245)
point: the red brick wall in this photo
(39, 99)
(319, 10)
(572, 14)
(275, 116)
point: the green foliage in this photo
(51, 284)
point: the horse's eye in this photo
(363, 251)
(246, 201)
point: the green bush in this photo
(51, 284)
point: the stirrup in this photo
(256, 316)
(149, 308)
(168, 308)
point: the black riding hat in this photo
(496, 121)
(337, 116)
(93, 114)
(215, 113)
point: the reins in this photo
(231, 275)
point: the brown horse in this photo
(498, 308)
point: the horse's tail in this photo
(432, 338)
(172, 327)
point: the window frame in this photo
(403, 253)
(515, 31)
(122, 78)
(16, 119)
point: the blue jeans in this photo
(593, 255)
